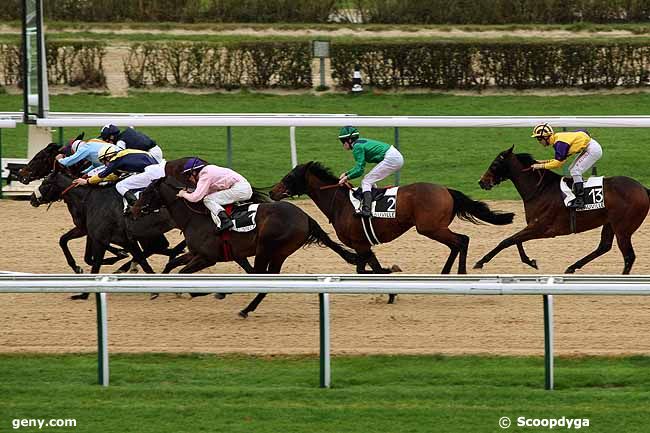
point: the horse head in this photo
(51, 190)
(149, 201)
(41, 164)
(498, 171)
(302, 179)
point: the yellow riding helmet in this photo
(543, 130)
(107, 152)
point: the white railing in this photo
(324, 285)
(7, 123)
(337, 120)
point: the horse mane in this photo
(322, 172)
(525, 159)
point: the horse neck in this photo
(528, 182)
(325, 199)
(178, 210)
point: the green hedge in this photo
(502, 11)
(260, 11)
(214, 65)
(70, 63)
(473, 65)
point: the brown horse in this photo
(282, 229)
(626, 202)
(428, 207)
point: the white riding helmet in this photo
(76, 145)
(107, 152)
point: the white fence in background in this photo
(324, 285)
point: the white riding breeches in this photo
(141, 180)
(393, 161)
(156, 152)
(587, 158)
(240, 191)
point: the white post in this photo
(102, 339)
(325, 366)
(292, 141)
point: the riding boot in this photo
(226, 222)
(579, 191)
(130, 201)
(367, 204)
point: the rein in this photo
(348, 185)
(65, 191)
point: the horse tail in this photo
(472, 210)
(318, 236)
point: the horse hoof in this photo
(533, 264)
(153, 296)
(243, 314)
(570, 271)
(79, 297)
(78, 270)
(219, 296)
(478, 265)
(391, 299)
(395, 268)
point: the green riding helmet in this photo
(348, 132)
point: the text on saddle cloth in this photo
(243, 216)
(384, 204)
(594, 193)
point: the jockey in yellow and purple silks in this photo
(565, 145)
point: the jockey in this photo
(216, 186)
(364, 150)
(128, 161)
(565, 145)
(83, 150)
(131, 139)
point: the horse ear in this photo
(81, 136)
(511, 148)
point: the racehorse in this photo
(99, 212)
(626, 202)
(38, 168)
(282, 228)
(428, 207)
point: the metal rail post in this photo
(397, 173)
(228, 147)
(292, 144)
(324, 310)
(102, 339)
(548, 341)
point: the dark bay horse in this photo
(39, 167)
(626, 202)
(100, 212)
(428, 207)
(282, 228)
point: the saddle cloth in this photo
(243, 216)
(384, 201)
(594, 193)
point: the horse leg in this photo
(98, 251)
(606, 241)
(246, 266)
(369, 258)
(181, 260)
(524, 257)
(457, 244)
(526, 234)
(73, 233)
(139, 257)
(261, 266)
(624, 242)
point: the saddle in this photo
(384, 201)
(594, 193)
(243, 216)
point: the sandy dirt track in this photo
(288, 324)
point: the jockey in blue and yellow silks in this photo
(565, 145)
